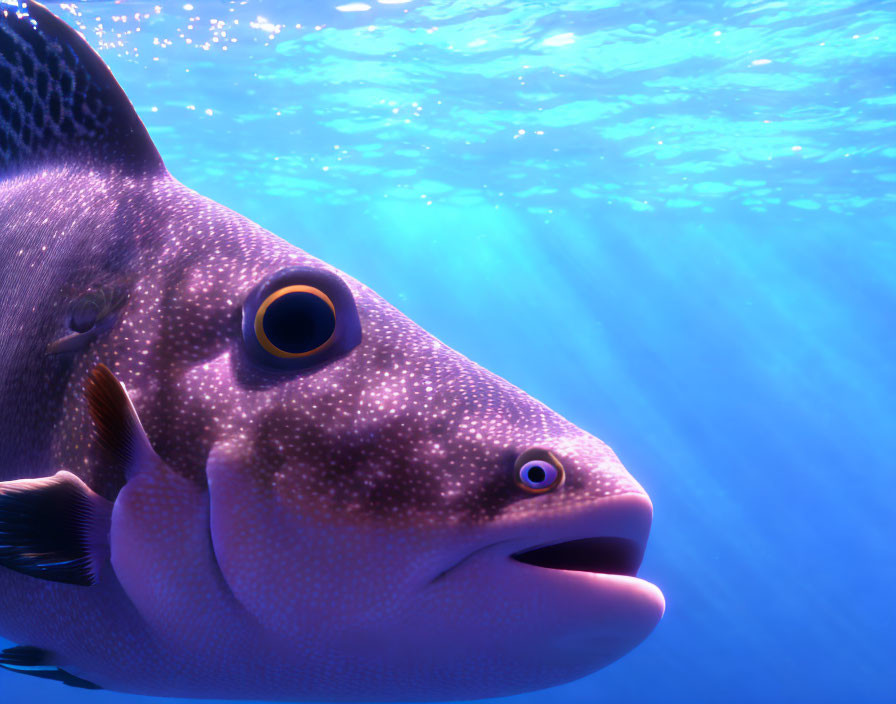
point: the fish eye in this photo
(299, 317)
(295, 321)
(84, 313)
(538, 471)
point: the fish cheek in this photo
(163, 558)
(305, 569)
(258, 552)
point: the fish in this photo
(230, 470)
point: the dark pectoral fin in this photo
(55, 528)
(26, 656)
(37, 662)
(119, 432)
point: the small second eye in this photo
(537, 475)
(295, 321)
(538, 471)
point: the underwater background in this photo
(674, 222)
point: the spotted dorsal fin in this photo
(59, 103)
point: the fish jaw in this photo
(445, 613)
(550, 625)
(491, 626)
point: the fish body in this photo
(229, 470)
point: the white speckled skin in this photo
(337, 533)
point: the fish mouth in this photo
(606, 538)
(560, 584)
(603, 555)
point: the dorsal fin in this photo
(59, 103)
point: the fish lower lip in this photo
(608, 555)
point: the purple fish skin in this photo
(336, 533)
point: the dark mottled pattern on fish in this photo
(403, 424)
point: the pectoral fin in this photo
(57, 528)
(54, 528)
(37, 662)
(119, 432)
(160, 543)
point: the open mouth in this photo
(601, 555)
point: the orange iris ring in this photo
(269, 346)
(543, 456)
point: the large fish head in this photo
(391, 520)
(375, 493)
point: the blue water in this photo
(672, 221)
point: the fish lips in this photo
(576, 571)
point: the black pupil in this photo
(298, 322)
(536, 474)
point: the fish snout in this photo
(604, 536)
(600, 536)
(596, 519)
(563, 583)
